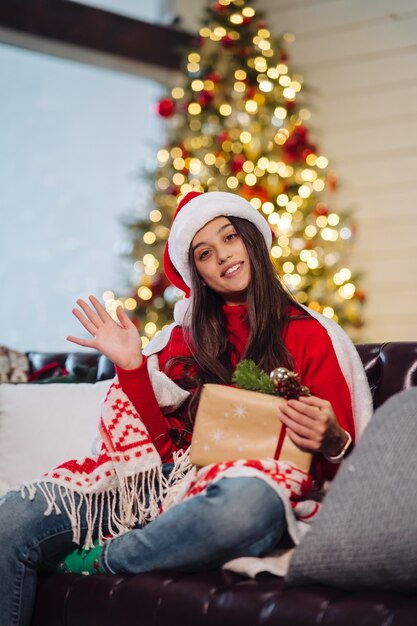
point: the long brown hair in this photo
(268, 314)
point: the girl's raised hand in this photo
(312, 425)
(120, 342)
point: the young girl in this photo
(235, 307)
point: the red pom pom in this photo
(166, 107)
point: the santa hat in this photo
(193, 212)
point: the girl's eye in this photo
(203, 255)
(231, 236)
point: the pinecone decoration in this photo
(287, 384)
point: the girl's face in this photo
(222, 260)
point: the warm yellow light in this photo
(256, 203)
(176, 152)
(240, 75)
(347, 291)
(322, 162)
(289, 93)
(248, 12)
(276, 252)
(333, 219)
(282, 199)
(283, 241)
(232, 182)
(264, 45)
(267, 208)
(251, 106)
(177, 92)
(208, 85)
(194, 108)
(130, 304)
(144, 293)
(308, 175)
(263, 163)
(273, 218)
(248, 167)
(272, 73)
(150, 328)
(304, 191)
(236, 18)
(178, 163)
(312, 263)
(195, 166)
(225, 110)
(289, 37)
(194, 57)
(149, 237)
(219, 31)
(321, 221)
(205, 32)
(310, 231)
(210, 158)
(193, 68)
(311, 159)
(245, 137)
(197, 85)
(266, 86)
(250, 179)
(239, 87)
(162, 156)
(280, 113)
(288, 267)
(285, 81)
(107, 295)
(155, 215)
(328, 312)
(318, 185)
(178, 179)
(163, 183)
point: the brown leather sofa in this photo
(222, 598)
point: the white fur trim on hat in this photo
(202, 209)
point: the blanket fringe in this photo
(134, 502)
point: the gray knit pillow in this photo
(365, 535)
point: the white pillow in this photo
(43, 425)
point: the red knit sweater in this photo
(314, 359)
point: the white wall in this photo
(73, 139)
(360, 58)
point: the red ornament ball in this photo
(166, 107)
(321, 209)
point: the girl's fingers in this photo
(86, 343)
(89, 313)
(101, 311)
(298, 428)
(307, 415)
(89, 326)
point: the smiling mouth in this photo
(231, 271)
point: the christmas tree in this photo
(238, 123)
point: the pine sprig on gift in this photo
(249, 376)
(281, 381)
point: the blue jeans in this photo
(236, 517)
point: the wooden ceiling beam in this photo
(85, 33)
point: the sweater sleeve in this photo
(319, 369)
(137, 386)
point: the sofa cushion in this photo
(365, 535)
(43, 425)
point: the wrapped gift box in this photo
(234, 423)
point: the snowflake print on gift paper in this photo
(217, 435)
(240, 411)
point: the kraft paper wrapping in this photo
(234, 423)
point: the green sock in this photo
(82, 561)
